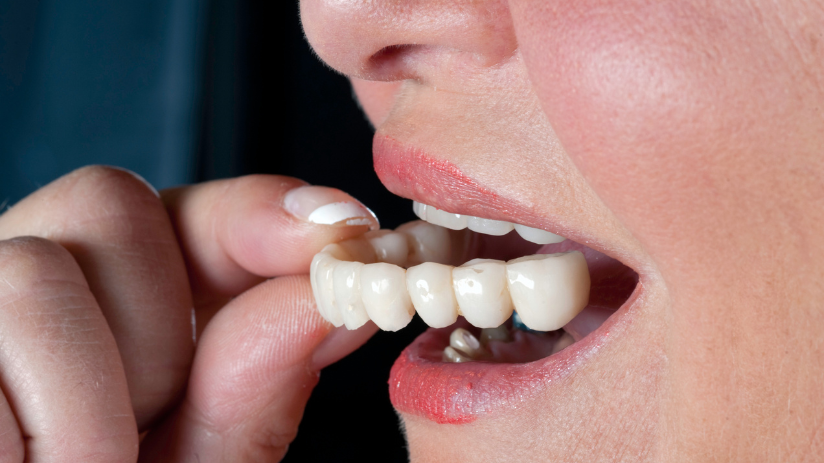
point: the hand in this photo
(100, 280)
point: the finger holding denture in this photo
(361, 279)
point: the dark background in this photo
(183, 91)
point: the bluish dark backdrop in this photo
(183, 91)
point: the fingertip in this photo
(341, 342)
(237, 231)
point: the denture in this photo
(387, 276)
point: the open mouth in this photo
(529, 292)
(517, 301)
(522, 308)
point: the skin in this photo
(101, 276)
(683, 136)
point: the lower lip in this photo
(457, 393)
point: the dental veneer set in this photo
(365, 278)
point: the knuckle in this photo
(25, 261)
(115, 203)
(112, 182)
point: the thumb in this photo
(255, 367)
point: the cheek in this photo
(618, 82)
(662, 105)
(376, 98)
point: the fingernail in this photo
(328, 206)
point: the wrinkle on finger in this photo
(117, 230)
(60, 368)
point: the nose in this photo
(394, 39)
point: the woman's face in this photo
(685, 139)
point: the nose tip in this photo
(385, 39)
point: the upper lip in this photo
(455, 393)
(410, 172)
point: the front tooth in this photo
(538, 236)
(489, 226)
(453, 356)
(322, 277)
(430, 288)
(463, 341)
(419, 209)
(548, 290)
(388, 246)
(481, 291)
(445, 219)
(385, 297)
(348, 294)
(427, 242)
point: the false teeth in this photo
(348, 294)
(546, 290)
(385, 296)
(321, 275)
(427, 243)
(390, 247)
(482, 293)
(430, 288)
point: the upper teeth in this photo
(445, 219)
(361, 279)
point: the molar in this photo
(385, 297)
(548, 290)
(481, 292)
(538, 236)
(430, 289)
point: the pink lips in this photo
(420, 383)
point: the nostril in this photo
(389, 63)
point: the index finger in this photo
(235, 233)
